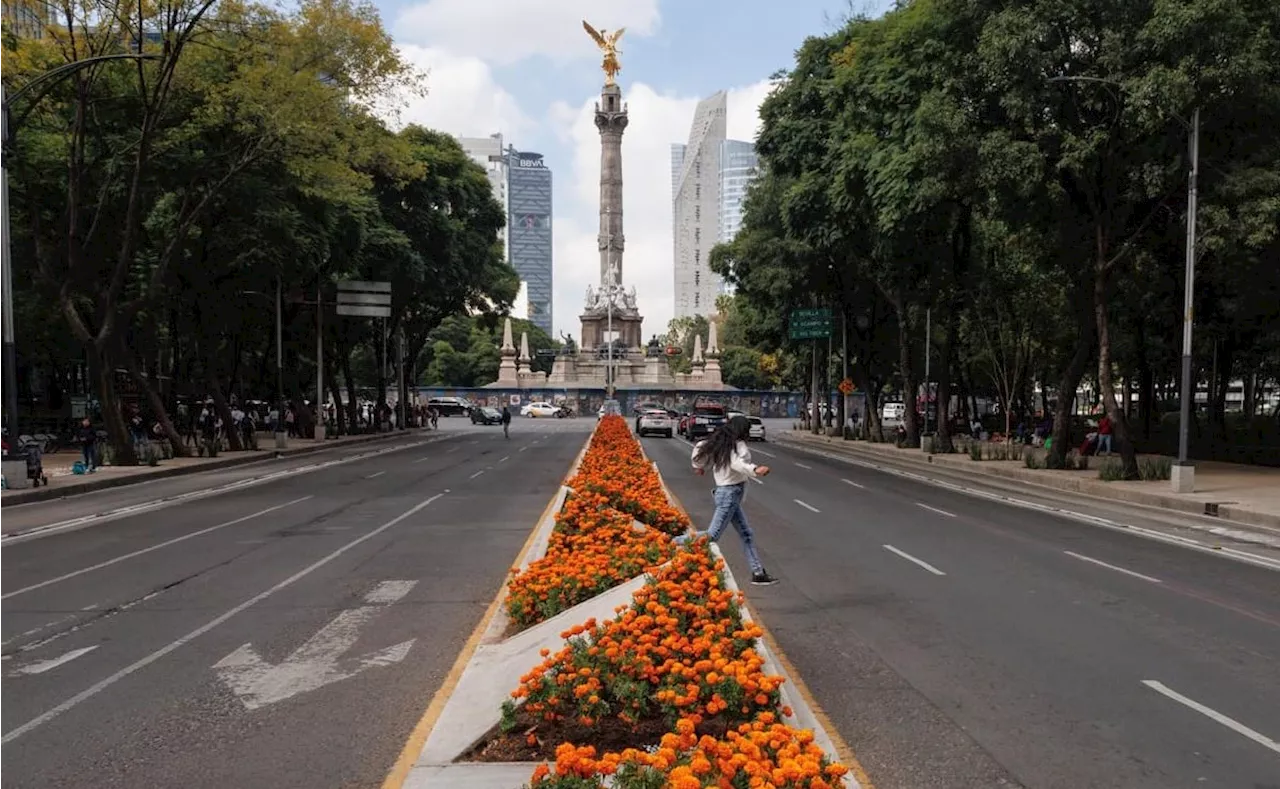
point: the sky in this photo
(527, 69)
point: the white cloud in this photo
(462, 98)
(507, 31)
(656, 121)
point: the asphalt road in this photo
(959, 642)
(282, 634)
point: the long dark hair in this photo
(719, 446)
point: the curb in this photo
(1088, 487)
(260, 456)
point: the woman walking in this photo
(725, 453)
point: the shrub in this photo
(1110, 470)
(1032, 460)
(975, 450)
(1155, 468)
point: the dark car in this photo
(484, 415)
(704, 420)
(450, 406)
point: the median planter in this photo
(661, 680)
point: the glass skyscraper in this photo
(529, 231)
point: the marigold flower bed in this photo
(676, 673)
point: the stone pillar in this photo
(508, 374)
(522, 368)
(611, 121)
(711, 373)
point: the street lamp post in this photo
(9, 136)
(1183, 474)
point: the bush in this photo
(1032, 460)
(1111, 470)
(1156, 468)
(975, 450)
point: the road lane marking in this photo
(505, 459)
(766, 454)
(1101, 563)
(1231, 723)
(35, 630)
(258, 683)
(809, 507)
(375, 474)
(914, 560)
(756, 480)
(803, 466)
(522, 449)
(142, 551)
(478, 473)
(851, 482)
(935, 509)
(49, 665)
(102, 685)
(423, 459)
(454, 449)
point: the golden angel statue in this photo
(608, 43)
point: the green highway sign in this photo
(810, 324)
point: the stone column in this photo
(611, 121)
(508, 375)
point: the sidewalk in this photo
(1232, 492)
(62, 482)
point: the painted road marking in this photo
(48, 529)
(423, 459)
(454, 449)
(522, 449)
(142, 551)
(102, 685)
(478, 473)
(49, 665)
(1101, 563)
(756, 480)
(803, 466)
(766, 454)
(258, 683)
(851, 482)
(935, 509)
(809, 507)
(914, 560)
(1231, 723)
(375, 474)
(505, 459)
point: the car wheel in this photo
(669, 435)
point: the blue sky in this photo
(528, 70)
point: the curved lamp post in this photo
(45, 82)
(1183, 474)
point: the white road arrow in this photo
(318, 662)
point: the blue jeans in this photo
(90, 457)
(1104, 443)
(728, 499)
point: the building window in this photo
(697, 278)
(697, 191)
(697, 256)
(695, 300)
(697, 234)
(697, 213)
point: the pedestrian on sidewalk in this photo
(506, 421)
(725, 454)
(1104, 435)
(88, 438)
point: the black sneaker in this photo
(763, 578)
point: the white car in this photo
(539, 409)
(655, 421)
(756, 431)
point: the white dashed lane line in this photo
(914, 560)
(809, 507)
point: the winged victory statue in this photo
(608, 43)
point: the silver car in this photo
(656, 421)
(756, 431)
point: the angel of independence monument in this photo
(612, 353)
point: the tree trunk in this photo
(1106, 382)
(234, 442)
(908, 375)
(156, 402)
(1226, 362)
(112, 418)
(353, 405)
(1250, 395)
(1069, 381)
(331, 375)
(942, 443)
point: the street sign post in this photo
(810, 324)
(364, 299)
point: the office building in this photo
(529, 231)
(26, 18)
(489, 154)
(737, 169)
(695, 208)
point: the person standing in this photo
(88, 438)
(725, 454)
(1104, 435)
(506, 421)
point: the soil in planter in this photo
(610, 734)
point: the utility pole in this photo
(404, 392)
(10, 344)
(813, 389)
(1183, 475)
(844, 372)
(320, 408)
(928, 355)
(280, 434)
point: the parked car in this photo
(640, 408)
(540, 409)
(704, 420)
(450, 406)
(756, 432)
(485, 415)
(655, 420)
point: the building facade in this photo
(737, 170)
(26, 18)
(529, 246)
(489, 154)
(695, 208)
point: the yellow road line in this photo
(418, 737)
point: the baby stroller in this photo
(35, 464)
